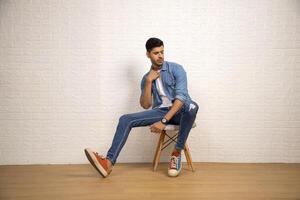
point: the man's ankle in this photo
(177, 150)
(109, 164)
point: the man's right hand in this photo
(153, 75)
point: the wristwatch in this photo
(164, 121)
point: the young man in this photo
(164, 87)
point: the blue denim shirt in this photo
(174, 81)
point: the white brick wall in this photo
(70, 69)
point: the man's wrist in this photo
(148, 81)
(164, 121)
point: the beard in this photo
(159, 62)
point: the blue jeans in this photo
(184, 117)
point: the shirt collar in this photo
(164, 67)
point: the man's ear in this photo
(148, 54)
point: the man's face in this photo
(156, 55)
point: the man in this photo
(164, 88)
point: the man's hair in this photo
(152, 43)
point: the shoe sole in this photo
(94, 162)
(178, 172)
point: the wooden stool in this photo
(162, 144)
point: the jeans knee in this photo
(126, 118)
(192, 108)
(123, 118)
(196, 107)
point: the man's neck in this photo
(156, 68)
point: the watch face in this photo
(164, 120)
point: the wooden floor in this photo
(138, 181)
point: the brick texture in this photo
(70, 69)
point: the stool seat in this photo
(162, 144)
(173, 127)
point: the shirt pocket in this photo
(170, 82)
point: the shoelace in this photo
(102, 157)
(173, 162)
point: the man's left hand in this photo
(157, 127)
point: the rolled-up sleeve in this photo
(181, 91)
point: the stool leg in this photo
(158, 150)
(188, 157)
